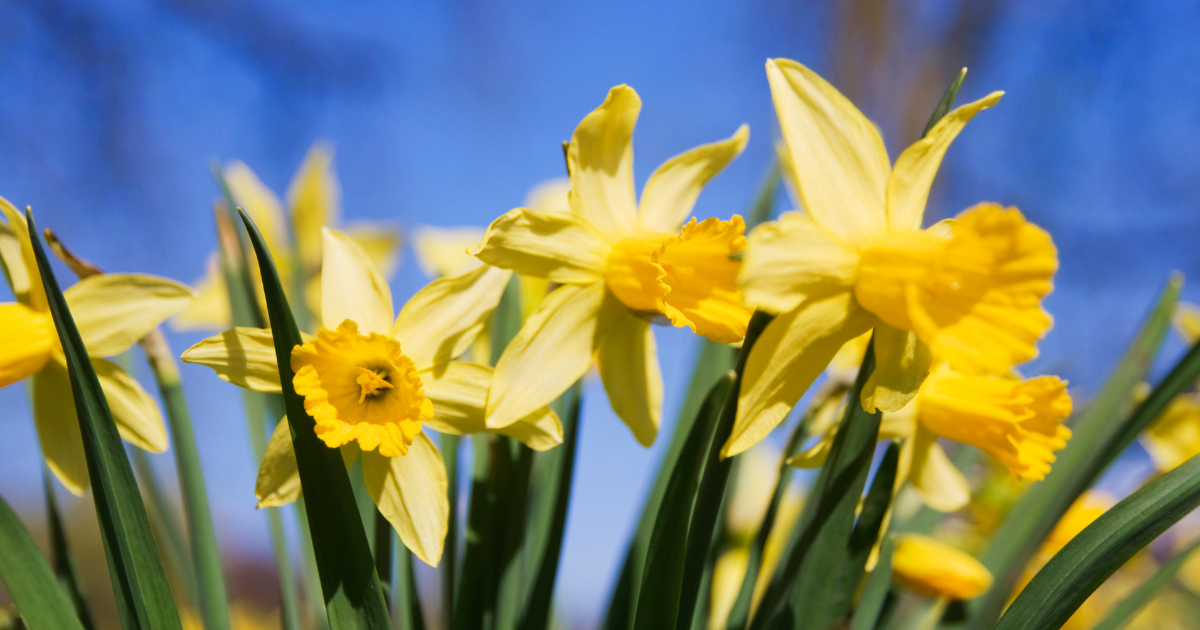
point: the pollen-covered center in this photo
(691, 278)
(360, 387)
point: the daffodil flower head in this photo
(936, 569)
(360, 387)
(621, 263)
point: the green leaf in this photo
(449, 564)
(1056, 592)
(64, 566)
(1124, 612)
(1098, 433)
(353, 597)
(407, 599)
(866, 614)
(946, 102)
(800, 593)
(866, 531)
(166, 526)
(29, 580)
(659, 599)
(139, 581)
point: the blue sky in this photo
(447, 113)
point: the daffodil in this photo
(967, 292)
(371, 385)
(620, 264)
(936, 569)
(314, 199)
(112, 312)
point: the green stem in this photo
(408, 599)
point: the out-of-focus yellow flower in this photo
(1189, 573)
(620, 263)
(241, 617)
(728, 573)
(1174, 437)
(294, 240)
(967, 292)
(936, 569)
(371, 384)
(757, 473)
(1187, 321)
(112, 312)
(1086, 509)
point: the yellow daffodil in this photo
(967, 292)
(1174, 437)
(620, 264)
(314, 199)
(372, 384)
(936, 569)
(1187, 321)
(112, 312)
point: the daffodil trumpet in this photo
(621, 263)
(372, 385)
(966, 292)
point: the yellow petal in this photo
(242, 356)
(839, 161)
(26, 340)
(441, 321)
(114, 310)
(629, 369)
(381, 242)
(20, 267)
(355, 289)
(551, 196)
(278, 481)
(673, 188)
(937, 569)
(558, 247)
(410, 492)
(314, 196)
(908, 187)
(699, 273)
(58, 427)
(210, 309)
(442, 252)
(551, 351)
(901, 364)
(791, 259)
(727, 575)
(1187, 321)
(1174, 437)
(813, 456)
(600, 163)
(459, 396)
(135, 412)
(940, 484)
(791, 352)
(263, 206)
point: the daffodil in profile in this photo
(967, 292)
(620, 264)
(112, 312)
(372, 385)
(294, 237)
(934, 568)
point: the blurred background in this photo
(446, 114)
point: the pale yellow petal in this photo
(262, 204)
(908, 187)
(459, 396)
(727, 575)
(381, 242)
(600, 163)
(940, 484)
(901, 365)
(135, 412)
(20, 266)
(210, 309)
(27, 338)
(628, 364)
(114, 310)
(278, 481)
(441, 321)
(791, 352)
(353, 288)
(559, 247)
(839, 161)
(242, 356)
(1187, 321)
(58, 427)
(552, 350)
(673, 188)
(410, 492)
(442, 252)
(815, 455)
(314, 196)
(551, 196)
(793, 258)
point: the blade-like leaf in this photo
(166, 525)
(407, 599)
(1124, 612)
(946, 102)
(1097, 432)
(353, 597)
(1056, 592)
(447, 569)
(800, 592)
(866, 614)
(29, 580)
(866, 531)
(64, 566)
(139, 580)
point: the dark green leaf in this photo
(866, 531)
(64, 566)
(139, 581)
(800, 592)
(353, 597)
(166, 526)
(1097, 433)
(408, 600)
(1097, 552)
(866, 614)
(29, 580)
(449, 564)
(946, 102)
(1124, 612)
